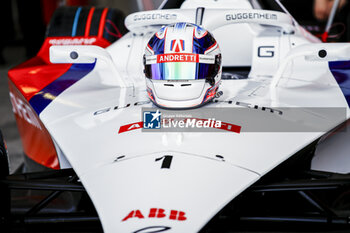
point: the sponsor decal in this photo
(152, 120)
(72, 41)
(189, 123)
(238, 16)
(179, 57)
(23, 111)
(157, 213)
(129, 127)
(139, 17)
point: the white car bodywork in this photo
(120, 171)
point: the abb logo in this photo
(157, 213)
(24, 111)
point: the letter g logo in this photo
(266, 51)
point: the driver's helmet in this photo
(182, 65)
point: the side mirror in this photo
(82, 54)
(313, 52)
(329, 52)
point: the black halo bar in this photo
(302, 185)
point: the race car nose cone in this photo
(177, 191)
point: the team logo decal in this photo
(177, 45)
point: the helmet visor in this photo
(180, 66)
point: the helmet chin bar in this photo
(193, 99)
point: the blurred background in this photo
(23, 24)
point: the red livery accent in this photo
(129, 127)
(117, 32)
(224, 126)
(211, 92)
(88, 22)
(102, 22)
(28, 79)
(36, 140)
(211, 47)
(230, 127)
(33, 75)
(149, 47)
(177, 57)
(204, 34)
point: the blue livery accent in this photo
(200, 45)
(180, 26)
(157, 45)
(341, 73)
(44, 97)
(172, 45)
(75, 22)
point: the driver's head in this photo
(182, 66)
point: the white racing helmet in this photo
(182, 65)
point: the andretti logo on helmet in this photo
(177, 45)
